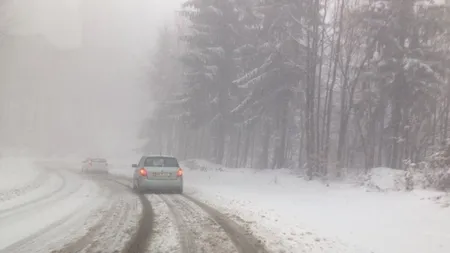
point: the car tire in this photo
(135, 187)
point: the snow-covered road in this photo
(57, 209)
(183, 224)
(51, 207)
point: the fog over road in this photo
(73, 79)
(73, 73)
(306, 126)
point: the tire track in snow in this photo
(114, 234)
(242, 240)
(186, 238)
(165, 237)
(198, 231)
(88, 238)
(114, 229)
(21, 246)
(38, 181)
(122, 227)
(201, 229)
(140, 240)
(39, 237)
(23, 207)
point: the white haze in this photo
(73, 73)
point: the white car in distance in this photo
(95, 165)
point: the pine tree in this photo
(164, 88)
(405, 68)
(209, 67)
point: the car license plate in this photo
(161, 174)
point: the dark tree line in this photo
(319, 85)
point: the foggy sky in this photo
(73, 73)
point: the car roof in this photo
(162, 156)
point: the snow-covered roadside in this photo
(293, 215)
(16, 172)
(77, 198)
(51, 185)
(59, 206)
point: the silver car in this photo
(158, 173)
(96, 165)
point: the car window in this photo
(141, 162)
(161, 162)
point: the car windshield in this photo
(161, 162)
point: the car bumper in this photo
(147, 184)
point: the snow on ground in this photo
(294, 215)
(122, 168)
(16, 172)
(51, 185)
(34, 199)
(36, 212)
(165, 236)
(386, 179)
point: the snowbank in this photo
(294, 215)
(386, 179)
(378, 179)
(16, 172)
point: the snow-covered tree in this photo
(209, 67)
(403, 77)
(165, 77)
(319, 85)
(279, 54)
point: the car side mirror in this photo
(134, 165)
